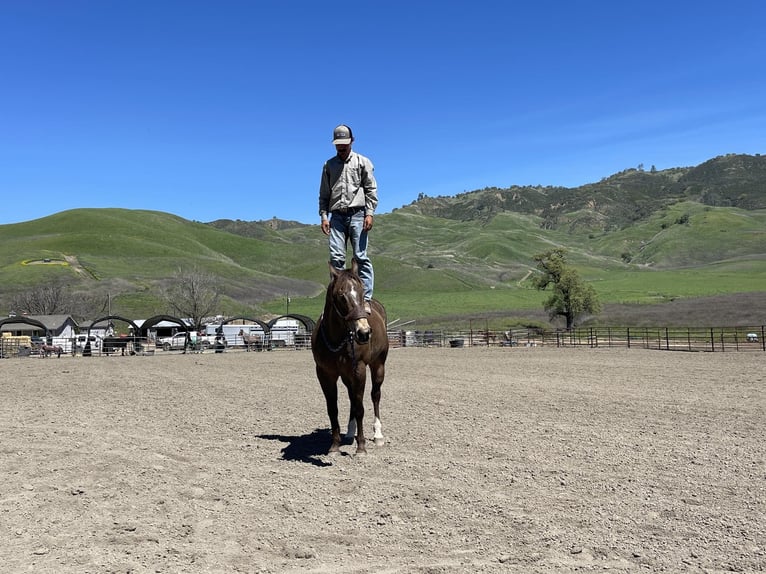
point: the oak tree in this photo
(570, 296)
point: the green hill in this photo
(641, 237)
(133, 255)
(616, 201)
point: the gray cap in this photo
(342, 135)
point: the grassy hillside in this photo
(617, 201)
(642, 238)
(134, 255)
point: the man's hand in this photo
(367, 223)
(325, 226)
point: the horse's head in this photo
(346, 294)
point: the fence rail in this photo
(713, 339)
(21, 346)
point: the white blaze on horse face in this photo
(361, 326)
(354, 294)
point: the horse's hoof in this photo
(379, 441)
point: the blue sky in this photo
(225, 109)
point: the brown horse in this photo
(48, 350)
(345, 342)
(252, 342)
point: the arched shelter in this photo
(265, 326)
(111, 318)
(308, 322)
(157, 319)
(111, 343)
(302, 340)
(26, 321)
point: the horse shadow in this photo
(306, 448)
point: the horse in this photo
(48, 350)
(252, 342)
(345, 342)
(110, 345)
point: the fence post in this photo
(688, 338)
(667, 340)
(628, 337)
(712, 340)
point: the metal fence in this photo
(713, 339)
(12, 347)
(670, 338)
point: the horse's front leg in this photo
(329, 386)
(351, 429)
(356, 399)
(378, 373)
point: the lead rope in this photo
(353, 349)
(332, 349)
(349, 340)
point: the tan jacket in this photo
(348, 184)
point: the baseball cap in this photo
(342, 135)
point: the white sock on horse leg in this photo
(377, 427)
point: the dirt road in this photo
(497, 460)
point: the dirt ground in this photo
(515, 460)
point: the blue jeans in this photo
(345, 227)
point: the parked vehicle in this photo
(81, 340)
(174, 343)
(179, 341)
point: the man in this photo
(348, 196)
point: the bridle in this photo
(332, 348)
(347, 340)
(355, 313)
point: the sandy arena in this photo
(517, 460)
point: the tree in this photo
(57, 298)
(570, 297)
(194, 295)
(48, 299)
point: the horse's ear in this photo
(355, 266)
(334, 271)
